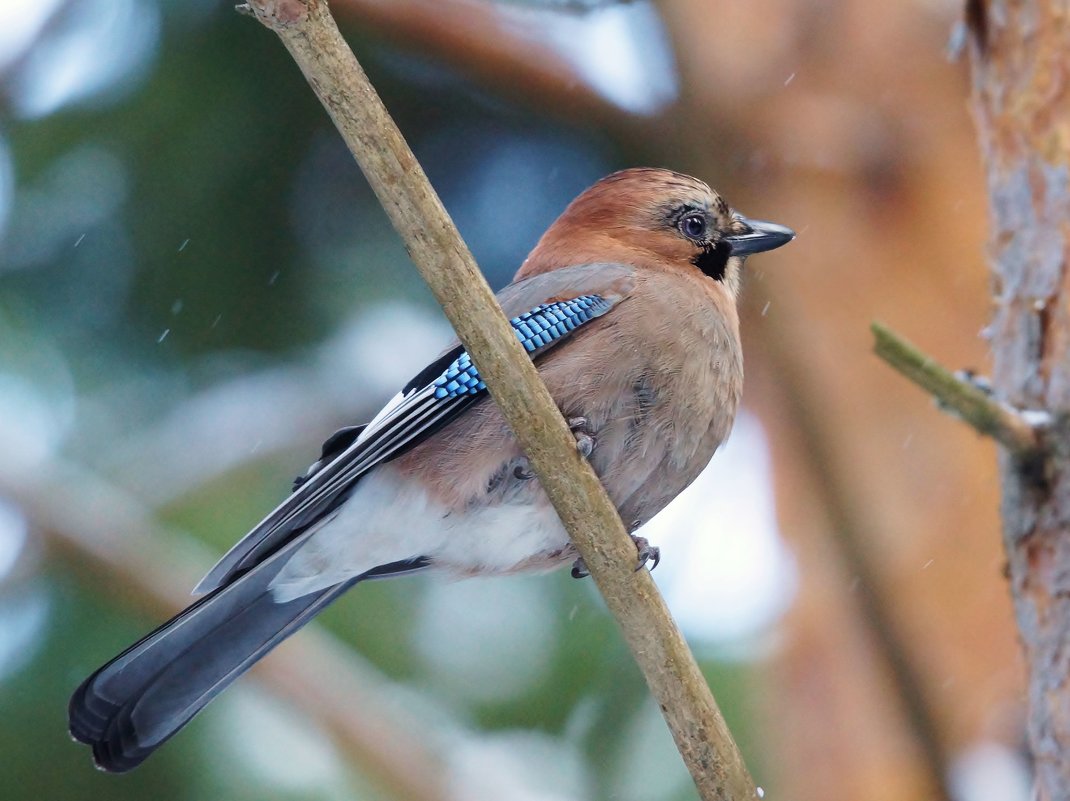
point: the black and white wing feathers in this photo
(443, 390)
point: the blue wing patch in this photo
(535, 329)
(437, 395)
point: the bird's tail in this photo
(129, 707)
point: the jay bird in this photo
(628, 306)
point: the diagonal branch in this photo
(963, 399)
(309, 33)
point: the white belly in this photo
(389, 518)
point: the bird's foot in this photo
(584, 438)
(646, 551)
(584, 444)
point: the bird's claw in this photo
(584, 440)
(647, 553)
(584, 444)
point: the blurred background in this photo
(197, 287)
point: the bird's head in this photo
(659, 219)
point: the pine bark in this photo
(1020, 64)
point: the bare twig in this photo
(309, 33)
(963, 399)
(102, 531)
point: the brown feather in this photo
(658, 378)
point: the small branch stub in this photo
(962, 398)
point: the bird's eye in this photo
(693, 226)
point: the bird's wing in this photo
(543, 310)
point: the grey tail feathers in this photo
(129, 707)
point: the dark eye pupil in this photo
(694, 226)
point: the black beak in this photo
(761, 237)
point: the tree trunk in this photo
(1020, 58)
